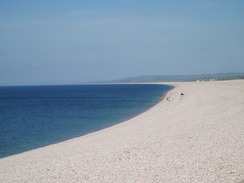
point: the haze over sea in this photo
(37, 116)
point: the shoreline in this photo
(160, 98)
(196, 139)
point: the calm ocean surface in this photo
(36, 116)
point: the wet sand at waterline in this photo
(197, 137)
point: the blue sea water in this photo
(37, 116)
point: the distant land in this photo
(168, 78)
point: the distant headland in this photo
(170, 78)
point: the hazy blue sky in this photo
(73, 41)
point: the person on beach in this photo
(181, 96)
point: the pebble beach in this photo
(195, 137)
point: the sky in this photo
(76, 41)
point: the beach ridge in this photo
(195, 137)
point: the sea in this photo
(36, 116)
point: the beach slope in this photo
(197, 137)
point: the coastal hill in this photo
(165, 78)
